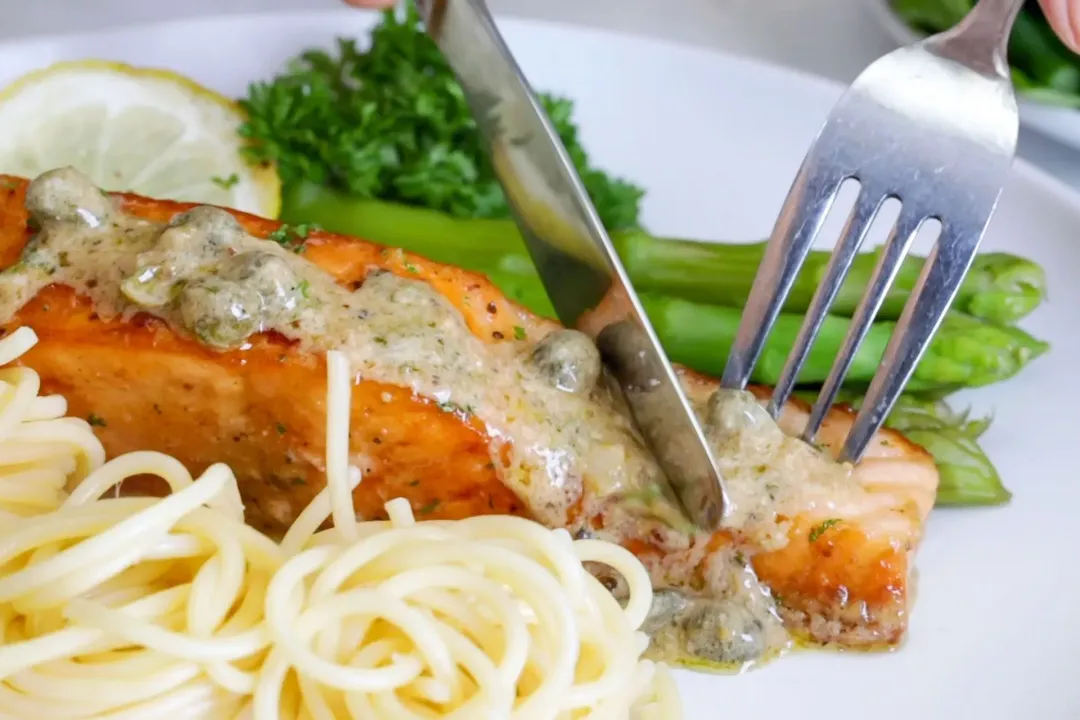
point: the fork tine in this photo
(800, 220)
(892, 254)
(867, 205)
(934, 291)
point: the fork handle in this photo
(980, 41)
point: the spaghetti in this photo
(120, 608)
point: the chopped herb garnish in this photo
(298, 481)
(519, 332)
(291, 237)
(281, 429)
(226, 183)
(96, 420)
(304, 287)
(818, 531)
(414, 483)
(452, 407)
(429, 507)
(387, 119)
(410, 267)
(739, 557)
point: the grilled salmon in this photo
(201, 333)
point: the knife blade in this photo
(583, 276)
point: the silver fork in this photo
(933, 125)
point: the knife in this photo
(576, 260)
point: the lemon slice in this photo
(152, 132)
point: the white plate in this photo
(1060, 123)
(995, 631)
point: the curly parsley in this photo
(390, 122)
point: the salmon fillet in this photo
(837, 570)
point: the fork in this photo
(932, 125)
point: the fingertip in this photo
(1064, 18)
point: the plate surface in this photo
(716, 139)
(1059, 123)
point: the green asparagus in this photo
(967, 476)
(525, 289)
(1000, 287)
(967, 352)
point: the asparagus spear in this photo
(1000, 287)
(967, 477)
(967, 352)
(473, 244)
(525, 289)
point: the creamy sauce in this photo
(569, 441)
(768, 472)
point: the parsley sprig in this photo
(390, 122)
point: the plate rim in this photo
(1021, 168)
(1023, 172)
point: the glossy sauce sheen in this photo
(463, 403)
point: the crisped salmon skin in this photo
(262, 411)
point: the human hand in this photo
(1064, 17)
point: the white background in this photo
(836, 38)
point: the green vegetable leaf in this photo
(819, 530)
(226, 182)
(391, 122)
